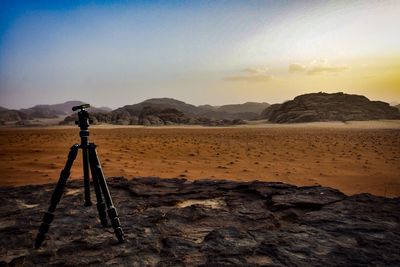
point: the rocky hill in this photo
(43, 112)
(161, 103)
(62, 108)
(245, 111)
(208, 107)
(7, 115)
(329, 107)
(240, 111)
(174, 222)
(153, 115)
(248, 107)
(167, 111)
(266, 113)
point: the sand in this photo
(353, 157)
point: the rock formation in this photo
(330, 107)
(156, 115)
(266, 113)
(23, 116)
(253, 107)
(244, 111)
(174, 222)
(7, 115)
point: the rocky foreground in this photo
(174, 222)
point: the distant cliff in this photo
(329, 107)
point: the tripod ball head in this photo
(83, 116)
(81, 107)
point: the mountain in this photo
(204, 112)
(7, 115)
(166, 111)
(163, 103)
(397, 106)
(248, 107)
(44, 112)
(220, 115)
(62, 108)
(329, 107)
(101, 109)
(208, 107)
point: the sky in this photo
(114, 53)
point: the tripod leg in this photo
(86, 180)
(111, 210)
(56, 196)
(101, 206)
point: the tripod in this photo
(90, 159)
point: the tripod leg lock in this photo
(112, 212)
(119, 234)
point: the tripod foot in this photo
(44, 228)
(112, 213)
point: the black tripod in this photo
(90, 159)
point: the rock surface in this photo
(174, 222)
(330, 107)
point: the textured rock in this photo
(174, 222)
(330, 107)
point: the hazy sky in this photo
(112, 53)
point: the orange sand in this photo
(352, 159)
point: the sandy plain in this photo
(353, 157)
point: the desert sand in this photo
(353, 157)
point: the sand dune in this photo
(353, 157)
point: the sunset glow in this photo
(115, 53)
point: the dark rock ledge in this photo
(174, 222)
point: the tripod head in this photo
(81, 107)
(83, 116)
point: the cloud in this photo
(249, 78)
(296, 67)
(256, 70)
(326, 69)
(251, 75)
(316, 67)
